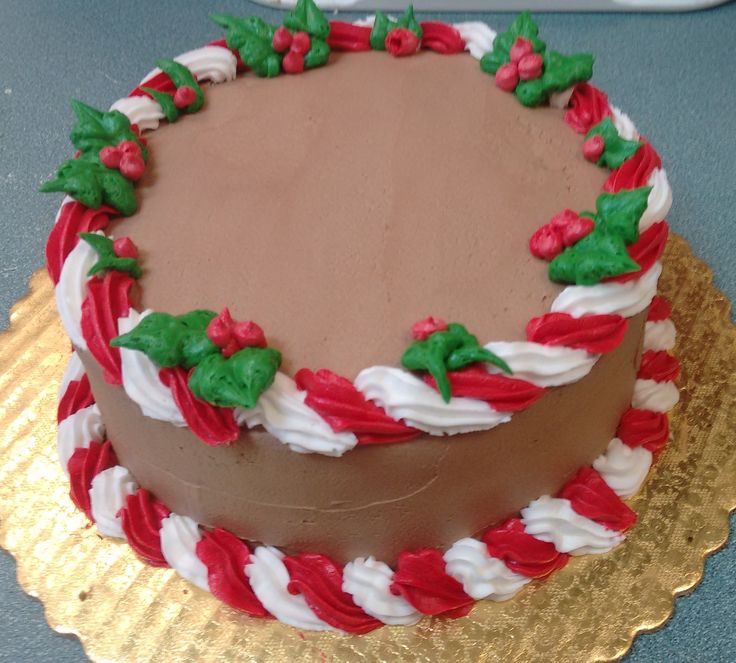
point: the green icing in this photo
(383, 25)
(602, 253)
(238, 380)
(307, 17)
(448, 350)
(96, 129)
(103, 246)
(171, 340)
(166, 101)
(616, 149)
(559, 71)
(181, 76)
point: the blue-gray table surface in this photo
(675, 74)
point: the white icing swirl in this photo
(77, 431)
(209, 63)
(71, 290)
(623, 468)
(74, 371)
(368, 582)
(626, 299)
(406, 397)
(143, 111)
(659, 335)
(543, 365)
(659, 201)
(107, 496)
(552, 519)
(179, 538)
(478, 37)
(624, 125)
(482, 576)
(655, 396)
(269, 580)
(282, 412)
(141, 381)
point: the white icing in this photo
(368, 581)
(179, 538)
(623, 468)
(655, 396)
(659, 200)
(367, 22)
(553, 520)
(282, 412)
(406, 397)
(659, 335)
(478, 37)
(626, 299)
(71, 290)
(209, 63)
(143, 111)
(77, 431)
(66, 200)
(624, 125)
(269, 580)
(482, 576)
(543, 365)
(74, 371)
(141, 381)
(107, 496)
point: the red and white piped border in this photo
(309, 591)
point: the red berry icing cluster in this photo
(230, 335)
(296, 46)
(125, 157)
(563, 230)
(184, 96)
(525, 65)
(423, 329)
(125, 248)
(401, 41)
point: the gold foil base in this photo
(123, 610)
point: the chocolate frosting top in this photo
(338, 207)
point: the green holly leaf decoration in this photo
(96, 129)
(615, 149)
(238, 380)
(383, 25)
(166, 101)
(171, 340)
(522, 26)
(252, 37)
(448, 350)
(307, 17)
(602, 253)
(181, 76)
(108, 261)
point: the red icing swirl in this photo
(659, 366)
(213, 425)
(590, 496)
(441, 38)
(635, 171)
(74, 218)
(660, 309)
(160, 81)
(226, 557)
(85, 465)
(344, 408)
(595, 333)
(348, 37)
(521, 552)
(645, 251)
(587, 107)
(107, 300)
(421, 579)
(644, 428)
(78, 395)
(502, 393)
(141, 520)
(319, 580)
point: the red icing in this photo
(74, 218)
(107, 300)
(587, 107)
(400, 42)
(125, 248)
(645, 251)
(644, 428)
(595, 333)
(226, 557)
(507, 77)
(521, 552)
(520, 48)
(421, 579)
(159, 81)
(319, 580)
(348, 37)
(184, 96)
(571, 227)
(545, 243)
(132, 166)
(222, 43)
(78, 395)
(293, 63)
(231, 335)
(423, 329)
(282, 39)
(660, 309)
(344, 408)
(593, 147)
(635, 171)
(85, 465)
(110, 157)
(591, 497)
(530, 67)
(441, 38)
(213, 425)
(141, 520)
(502, 393)
(659, 366)
(301, 43)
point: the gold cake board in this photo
(123, 610)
